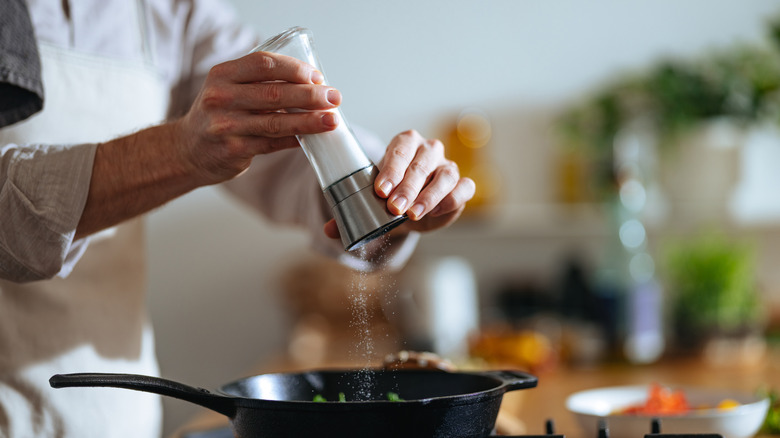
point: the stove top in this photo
(603, 432)
(223, 432)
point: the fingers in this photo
(267, 66)
(415, 176)
(331, 229)
(265, 82)
(273, 96)
(265, 145)
(425, 193)
(273, 125)
(399, 155)
(456, 200)
(246, 107)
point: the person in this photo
(110, 109)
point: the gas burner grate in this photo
(603, 432)
(655, 432)
(549, 428)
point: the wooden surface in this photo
(525, 411)
(548, 399)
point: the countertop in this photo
(525, 411)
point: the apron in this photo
(94, 320)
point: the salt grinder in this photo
(346, 175)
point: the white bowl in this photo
(744, 421)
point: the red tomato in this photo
(660, 401)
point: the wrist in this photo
(181, 156)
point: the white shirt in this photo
(54, 323)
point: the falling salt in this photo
(365, 347)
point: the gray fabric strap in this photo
(21, 88)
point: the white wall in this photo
(406, 63)
(402, 64)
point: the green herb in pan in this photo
(342, 398)
(393, 397)
(319, 398)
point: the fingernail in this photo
(385, 188)
(317, 77)
(417, 210)
(330, 120)
(400, 203)
(334, 97)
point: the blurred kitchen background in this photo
(628, 203)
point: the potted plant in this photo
(713, 293)
(674, 97)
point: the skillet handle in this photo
(219, 403)
(513, 379)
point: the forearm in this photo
(231, 121)
(134, 174)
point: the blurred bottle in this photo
(439, 306)
(572, 176)
(627, 277)
(467, 141)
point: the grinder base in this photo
(361, 215)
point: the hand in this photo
(417, 179)
(240, 112)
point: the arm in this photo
(234, 118)
(283, 187)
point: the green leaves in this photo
(741, 83)
(392, 396)
(712, 283)
(772, 420)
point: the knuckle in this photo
(266, 61)
(394, 175)
(420, 167)
(401, 153)
(435, 192)
(220, 127)
(391, 171)
(427, 200)
(272, 124)
(437, 146)
(272, 93)
(222, 69)
(450, 172)
(302, 71)
(409, 134)
(214, 97)
(316, 94)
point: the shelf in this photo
(512, 221)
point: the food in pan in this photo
(392, 396)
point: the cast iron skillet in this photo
(435, 404)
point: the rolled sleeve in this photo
(42, 196)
